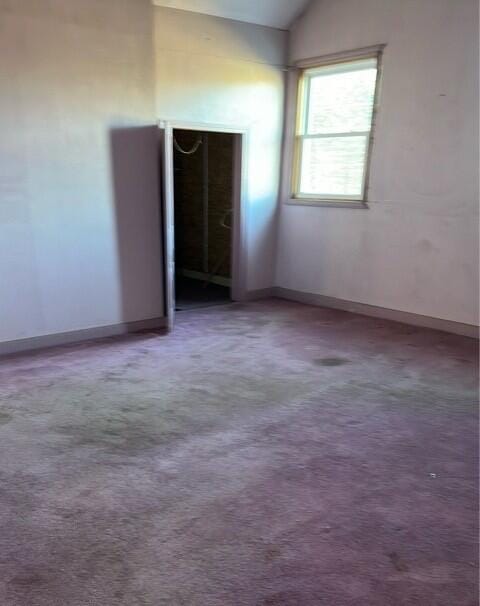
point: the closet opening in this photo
(203, 192)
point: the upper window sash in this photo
(311, 74)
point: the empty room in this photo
(239, 302)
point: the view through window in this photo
(333, 130)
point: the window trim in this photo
(361, 201)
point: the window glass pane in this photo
(341, 102)
(333, 165)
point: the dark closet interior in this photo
(203, 204)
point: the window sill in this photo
(326, 203)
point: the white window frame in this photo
(305, 70)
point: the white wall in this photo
(217, 71)
(79, 243)
(416, 248)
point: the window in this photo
(334, 123)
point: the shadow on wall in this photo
(135, 181)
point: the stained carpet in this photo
(269, 454)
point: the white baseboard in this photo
(458, 328)
(98, 332)
(77, 336)
(199, 275)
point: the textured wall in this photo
(188, 203)
(189, 213)
(416, 249)
(79, 243)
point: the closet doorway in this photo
(203, 217)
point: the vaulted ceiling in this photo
(273, 13)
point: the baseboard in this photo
(466, 330)
(77, 336)
(261, 293)
(99, 332)
(199, 275)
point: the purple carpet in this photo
(269, 454)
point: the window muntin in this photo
(333, 130)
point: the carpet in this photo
(262, 454)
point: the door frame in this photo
(238, 287)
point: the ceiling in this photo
(273, 13)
